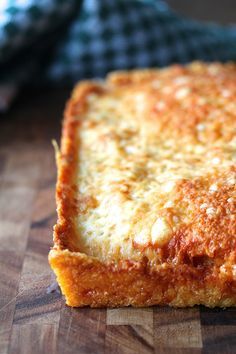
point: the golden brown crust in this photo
(195, 266)
(66, 162)
(86, 281)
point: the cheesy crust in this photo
(146, 191)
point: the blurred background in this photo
(223, 12)
(54, 43)
(46, 46)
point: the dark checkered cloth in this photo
(63, 41)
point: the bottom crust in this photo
(85, 281)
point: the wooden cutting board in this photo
(33, 315)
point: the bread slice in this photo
(146, 191)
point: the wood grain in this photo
(16, 198)
(34, 338)
(177, 328)
(33, 315)
(82, 331)
(218, 330)
(129, 330)
(128, 339)
(10, 264)
(34, 301)
(27, 177)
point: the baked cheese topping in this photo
(156, 165)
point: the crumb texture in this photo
(156, 171)
(146, 192)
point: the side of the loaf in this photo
(86, 281)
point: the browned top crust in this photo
(147, 168)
